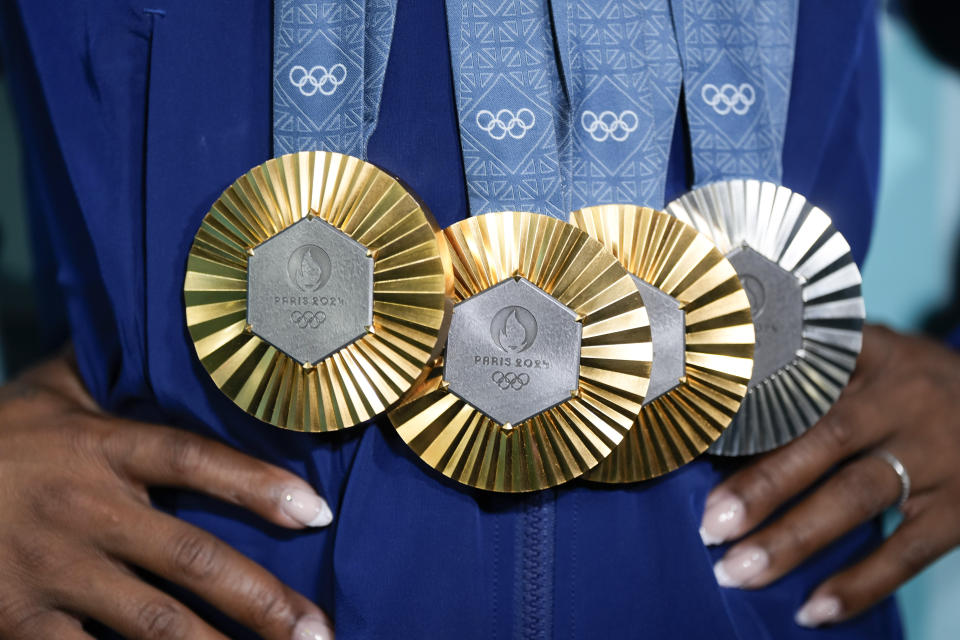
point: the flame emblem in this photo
(309, 268)
(513, 329)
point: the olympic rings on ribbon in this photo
(510, 380)
(309, 83)
(308, 319)
(609, 125)
(729, 97)
(505, 123)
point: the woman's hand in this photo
(75, 517)
(904, 398)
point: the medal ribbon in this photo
(538, 140)
(623, 74)
(737, 68)
(329, 61)
(511, 105)
(534, 140)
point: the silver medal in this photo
(804, 292)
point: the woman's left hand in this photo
(904, 398)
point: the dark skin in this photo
(905, 398)
(75, 518)
(75, 515)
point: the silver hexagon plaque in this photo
(513, 351)
(776, 302)
(310, 290)
(668, 334)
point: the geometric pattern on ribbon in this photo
(623, 75)
(510, 104)
(777, 28)
(737, 67)
(378, 26)
(329, 60)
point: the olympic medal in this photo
(546, 362)
(702, 332)
(804, 291)
(316, 291)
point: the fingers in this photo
(55, 624)
(43, 623)
(133, 608)
(313, 628)
(59, 374)
(913, 546)
(163, 456)
(856, 493)
(214, 571)
(748, 497)
(879, 344)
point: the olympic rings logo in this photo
(309, 82)
(308, 319)
(729, 98)
(506, 123)
(609, 125)
(510, 380)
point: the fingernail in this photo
(312, 628)
(819, 610)
(740, 567)
(306, 507)
(722, 519)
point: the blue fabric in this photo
(622, 72)
(134, 129)
(329, 60)
(599, 132)
(737, 62)
(512, 111)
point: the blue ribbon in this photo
(737, 68)
(511, 104)
(623, 76)
(584, 115)
(329, 61)
(562, 104)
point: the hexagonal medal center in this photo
(513, 351)
(776, 302)
(668, 334)
(310, 290)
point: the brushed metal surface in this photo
(776, 302)
(293, 225)
(310, 290)
(784, 400)
(513, 351)
(677, 267)
(667, 329)
(513, 250)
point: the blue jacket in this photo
(136, 115)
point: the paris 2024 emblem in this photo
(309, 290)
(513, 351)
(513, 329)
(309, 268)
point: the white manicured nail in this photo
(722, 520)
(306, 507)
(818, 611)
(312, 628)
(740, 567)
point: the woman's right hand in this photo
(75, 518)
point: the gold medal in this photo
(546, 362)
(316, 291)
(804, 291)
(702, 331)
